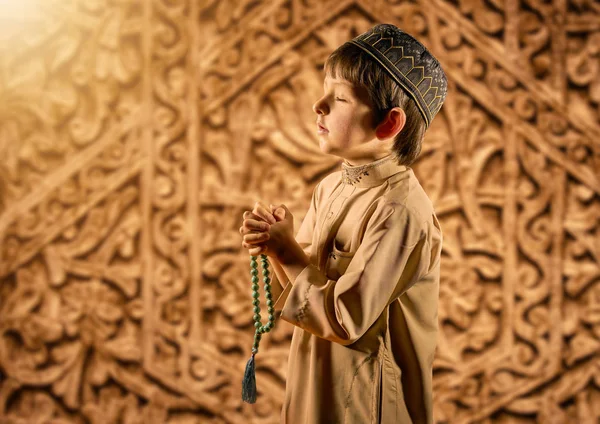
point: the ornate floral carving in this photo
(133, 135)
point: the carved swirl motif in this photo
(134, 134)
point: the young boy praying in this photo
(360, 279)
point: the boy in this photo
(362, 274)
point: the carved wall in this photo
(134, 134)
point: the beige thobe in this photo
(365, 308)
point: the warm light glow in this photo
(20, 17)
(18, 10)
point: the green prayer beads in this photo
(249, 380)
(259, 328)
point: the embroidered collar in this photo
(370, 174)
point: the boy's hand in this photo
(256, 229)
(263, 213)
(285, 231)
(262, 238)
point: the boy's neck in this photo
(365, 160)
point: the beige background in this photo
(133, 134)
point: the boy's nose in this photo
(319, 107)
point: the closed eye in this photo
(340, 99)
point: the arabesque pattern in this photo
(134, 134)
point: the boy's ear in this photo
(392, 123)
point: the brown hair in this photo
(354, 65)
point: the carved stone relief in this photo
(134, 134)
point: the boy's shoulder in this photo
(408, 193)
(332, 179)
(329, 183)
(405, 191)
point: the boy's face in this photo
(346, 114)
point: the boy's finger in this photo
(255, 251)
(276, 211)
(243, 230)
(246, 229)
(256, 237)
(263, 212)
(250, 215)
(256, 225)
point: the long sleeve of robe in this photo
(365, 308)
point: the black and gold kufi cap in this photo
(409, 63)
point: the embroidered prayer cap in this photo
(409, 63)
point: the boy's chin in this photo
(331, 149)
(328, 148)
(324, 145)
(339, 153)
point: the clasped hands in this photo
(267, 231)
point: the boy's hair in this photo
(354, 65)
